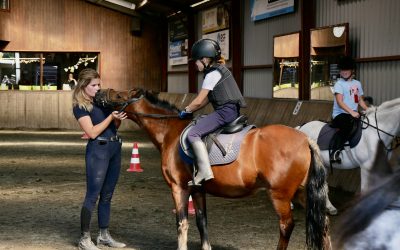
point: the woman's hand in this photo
(119, 115)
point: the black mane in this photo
(153, 99)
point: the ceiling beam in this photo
(172, 4)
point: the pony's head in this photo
(113, 99)
(136, 102)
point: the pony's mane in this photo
(153, 99)
(386, 106)
(383, 190)
(367, 207)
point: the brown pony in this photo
(277, 158)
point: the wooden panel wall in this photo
(40, 110)
(76, 25)
(53, 110)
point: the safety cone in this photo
(135, 161)
(191, 209)
(85, 136)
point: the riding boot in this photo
(105, 239)
(204, 172)
(86, 243)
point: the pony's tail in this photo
(317, 223)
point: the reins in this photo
(159, 116)
(396, 138)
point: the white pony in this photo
(381, 123)
(373, 220)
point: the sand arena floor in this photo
(42, 186)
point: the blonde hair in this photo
(79, 96)
(221, 60)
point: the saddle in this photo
(223, 145)
(328, 132)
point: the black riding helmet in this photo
(346, 63)
(206, 48)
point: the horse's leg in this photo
(286, 223)
(330, 208)
(181, 198)
(301, 198)
(199, 198)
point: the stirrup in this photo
(336, 157)
(193, 184)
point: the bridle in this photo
(396, 139)
(133, 100)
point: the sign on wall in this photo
(222, 37)
(262, 9)
(215, 19)
(178, 29)
(178, 52)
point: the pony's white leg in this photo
(364, 179)
(329, 207)
(182, 234)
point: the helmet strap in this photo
(204, 65)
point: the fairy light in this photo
(85, 62)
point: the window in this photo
(327, 45)
(4, 4)
(24, 71)
(286, 66)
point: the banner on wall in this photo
(222, 37)
(215, 19)
(178, 51)
(262, 9)
(178, 29)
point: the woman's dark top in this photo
(97, 115)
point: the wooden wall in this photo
(126, 60)
(53, 110)
(40, 110)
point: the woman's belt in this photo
(112, 138)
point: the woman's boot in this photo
(204, 172)
(105, 239)
(86, 243)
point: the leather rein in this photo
(396, 139)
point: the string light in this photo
(85, 62)
(21, 60)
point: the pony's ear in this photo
(153, 92)
(135, 92)
(381, 167)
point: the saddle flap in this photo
(230, 143)
(327, 133)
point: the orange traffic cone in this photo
(85, 136)
(191, 210)
(135, 161)
(191, 207)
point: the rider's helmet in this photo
(346, 63)
(206, 48)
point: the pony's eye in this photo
(118, 96)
